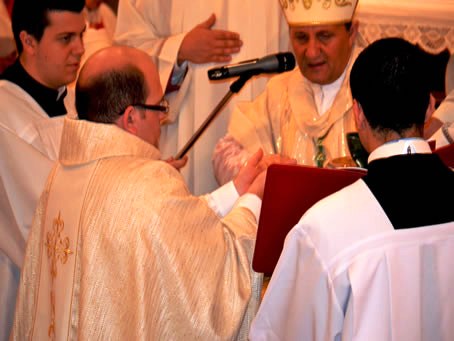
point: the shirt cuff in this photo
(222, 199)
(251, 202)
(179, 71)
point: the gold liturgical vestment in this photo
(284, 120)
(119, 250)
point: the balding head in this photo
(114, 58)
(112, 79)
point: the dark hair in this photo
(32, 16)
(389, 81)
(102, 98)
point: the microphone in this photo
(274, 63)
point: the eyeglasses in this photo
(163, 106)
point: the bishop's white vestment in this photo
(159, 26)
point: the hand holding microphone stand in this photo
(245, 70)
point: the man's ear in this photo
(358, 113)
(430, 108)
(28, 42)
(128, 121)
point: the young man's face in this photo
(322, 51)
(56, 57)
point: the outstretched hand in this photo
(269, 159)
(204, 45)
(251, 177)
(177, 164)
(248, 172)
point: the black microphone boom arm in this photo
(234, 88)
(274, 63)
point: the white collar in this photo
(61, 91)
(336, 84)
(413, 145)
(324, 95)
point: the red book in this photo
(290, 190)
(446, 154)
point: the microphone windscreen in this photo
(286, 61)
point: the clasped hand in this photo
(251, 176)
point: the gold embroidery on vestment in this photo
(57, 250)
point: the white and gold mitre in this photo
(318, 12)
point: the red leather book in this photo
(289, 191)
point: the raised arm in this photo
(147, 25)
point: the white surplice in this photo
(158, 27)
(322, 287)
(346, 273)
(445, 113)
(29, 142)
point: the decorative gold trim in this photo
(326, 4)
(313, 23)
(57, 250)
(57, 247)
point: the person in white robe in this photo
(190, 38)
(101, 21)
(306, 113)
(386, 226)
(437, 128)
(7, 46)
(444, 135)
(34, 102)
(100, 16)
(445, 112)
(119, 248)
(443, 117)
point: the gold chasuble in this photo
(284, 120)
(120, 250)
